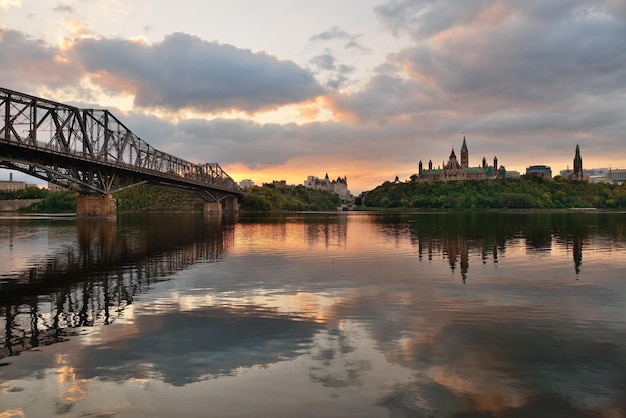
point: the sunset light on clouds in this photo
(286, 89)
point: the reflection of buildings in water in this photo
(576, 243)
(333, 231)
(93, 279)
(454, 237)
(456, 250)
(577, 252)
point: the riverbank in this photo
(13, 205)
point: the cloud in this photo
(63, 8)
(185, 72)
(336, 34)
(547, 72)
(331, 34)
(34, 62)
(533, 55)
(324, 61)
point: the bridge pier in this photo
(212, 207)
(96, 207)
(231, 204)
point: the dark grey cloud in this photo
(31, 62)
(263, 145)
(548, 56)
(551, 73)
(324, 61)
(349, 40)
(336, 75)
(184, 71)
(527, 64)
(424, 18)
(331, 34)
(63, 8)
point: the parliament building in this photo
(454, 170)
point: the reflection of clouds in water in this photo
(332, 366)
(183, 347)
(510, 342)
(497, 364)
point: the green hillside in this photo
(294, 198)
(524, 193)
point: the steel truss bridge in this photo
(92, 152)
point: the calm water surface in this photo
(314, 315)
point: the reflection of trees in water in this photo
(93, 279)
(454, 235)
(332, 229)
(329, 228)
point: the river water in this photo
(314, 315)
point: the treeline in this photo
(154, 199)
(298, 198)
(140, 198)
(146, 198)
(52, 202)
(32, 192)
(523, 193)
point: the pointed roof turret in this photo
(464, 146)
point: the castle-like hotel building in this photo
(454, 170)
(339, 186)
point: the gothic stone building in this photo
(453, 170)
(339, 186)
(577, 174)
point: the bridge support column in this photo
(212, 207)
(96, 207)
(231, 204)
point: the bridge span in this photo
(93, 153)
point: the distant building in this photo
(246, 184)
(616, 175)
(54, 187)
(453, 170)
(599, 175)
(577, 174)
(12, 186)
(279, 184)
(541, 171)
(587, 172)
(339, 186)
(512, 174)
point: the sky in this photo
(284, 89)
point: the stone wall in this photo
(14, 204)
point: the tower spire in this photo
(578, 166)
(464, 154)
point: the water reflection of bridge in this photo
(92, 280)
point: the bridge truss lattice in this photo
(93, 152)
